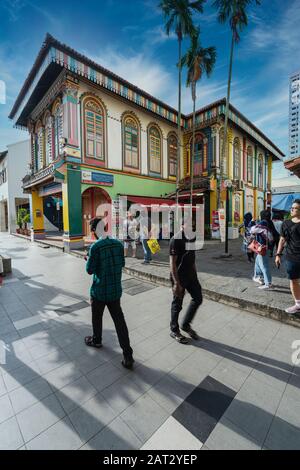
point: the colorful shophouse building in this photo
(95, 136)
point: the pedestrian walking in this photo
(105, 262)
(263, 235)
(145, 235)
(130, 234)
(275, 234)
(248, 223)
(290, 240)
(277, 222)
(183, 278)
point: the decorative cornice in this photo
(49, 97)
(39, 177)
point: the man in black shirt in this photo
(290, 238)
(183, 277)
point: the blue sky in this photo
(128, 38)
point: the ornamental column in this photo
(70, 119)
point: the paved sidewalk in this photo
(236, 388)
(224, 280)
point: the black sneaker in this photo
(93, 342)
(192, 333)
(179, 337)
(128, 362)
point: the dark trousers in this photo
(194, 289)
(117, 315)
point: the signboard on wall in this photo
(50, 189)
(222, 222)
(215, 227)
(95, 177)
(116, 216)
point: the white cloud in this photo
(2, 92)
(13, 8)
(279, 39)
(138, 69)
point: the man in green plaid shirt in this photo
(105, 263)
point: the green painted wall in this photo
(134, 186)
(74, 201)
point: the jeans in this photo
(117, 315)
(262, 269)
(194, 289)
(147, 251)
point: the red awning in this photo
(150, 201)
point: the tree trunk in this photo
(225, 146)
(193, 144)
(179, 121)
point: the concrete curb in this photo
(251, 307)
(39, 242)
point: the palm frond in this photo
(198, 60)
(178, 15)
(235, 12)
(197, 5)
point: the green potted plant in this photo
(26, 221)
(20, 220)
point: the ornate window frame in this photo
(39, 146)
(250, 168)
(58, 125)
(236, 159)
(204, 162)
(49, 137)
(170, 136)
(260, 174)
(126, 116)
(153, 125)
(86, 98)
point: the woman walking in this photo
(248, 223)
(263, 235)
(290, 239)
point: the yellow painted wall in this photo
(37, 211)
(66, 207)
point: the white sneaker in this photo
(292, 310)
(258, 280)
(265, 287)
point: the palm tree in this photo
(199, 61)
(179, 17)
(234, 11)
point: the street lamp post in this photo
(228, 185)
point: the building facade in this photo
(294, 116)
(13, 166)
(95, 137)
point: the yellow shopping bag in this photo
(154, 246)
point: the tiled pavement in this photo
(235, 389)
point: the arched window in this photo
(172, 154)
(49, 139)
(260, 171)
(94, 130)
(58, 130)
(154, 150)
(236, 159)
(39, 143)
(198, 155)
(131, 142)
(250, 164)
